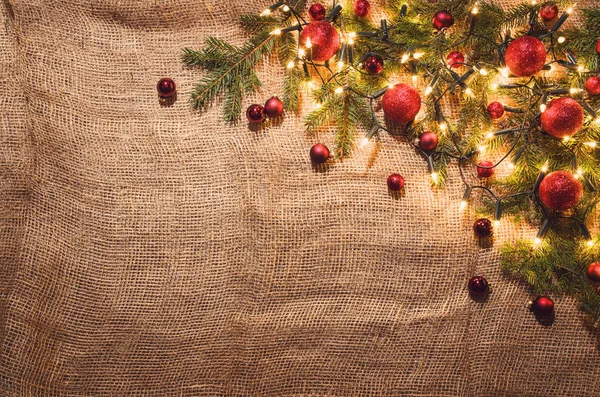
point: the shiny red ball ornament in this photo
(592, 85)
(316, 12)
(361, 8)
(373, 64)
(428, 141)
(549, 11)
(593, 272)
(483, 228)
(442, 19)
(455, 59)
(598, 46)
(562, 118)
(483, 171)
(395, 182)
(319, 154)
(274, 107)
(324, 38)
(560, 190)
(525, 56)
(166, 87)
(255, 113)
(401, 103)
(495, 110)
(478, 286)
(542, 306)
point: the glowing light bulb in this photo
(561, 39)
(469, 92)
(475, 10)
(350, 41)
(511, 165)
(339, 90)
(443, 127)
(543, 107)
(340, 64)
(352, 35)
(301, 52)
(597, 120)
(391, 84)
(580, 69)
(418, 55)
(364, 142)
(483, 72)
(494, 86)
(574, 90)
(497, 223)
(545, 167)
(590, 243)
(435, 177)
(566, 138)
(591, 144)
(414, 78)
(265, 12)
(308, 43)
(570, 9)
(286, 8)
(490, 135)
(537, 242)
(276, 32)
(504, 72)
(481, 149)
(291, 64)
(463, 204)
(404, 58)
(428, 90)
(318, 105)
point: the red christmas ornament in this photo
(255, 113)
(593, 272)
(442, 19)
(455, 59)
(361, 8)
(428, 141)
(373, 64)
(563, 117)
(401, 103)
(395, 182)
(316, 12)
(525, 56)
(483, 228)
(542, 306)
(478, 286)
(548, 11)
(592, 85)
(483, 171)
(598, 46)
(319, 153)
(560, 190)
(166, 87)
(274, 107)
(495, 110)
(324, 38)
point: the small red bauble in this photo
(401, 103)
(598, 46)
(593, 272)
(563, 117)
(548, 11)
(361, 8)
(316, 12)
(455, 59)
(560, 190)
(324, 38)
(495, 110)
(319, 153)
(442, 19)
(525, 56)
(373, 64)
(592, 85)
(166, 87)
(542, 306)
(478, 286)
(483, 171)
(274, 107)
(255, 113)
(395, 182)
(428, 141)
(483, 227)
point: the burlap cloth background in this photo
(148, 250)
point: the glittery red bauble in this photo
(428, 141)
(319, 153)
(560, 190)
(395, 182)
(361, 8)
(483, 171)
(495, 110)
(255, 113)
(542, 306)
(478, 286)
(274, 107)
(455, 59)
(442, 19)
(548, 11)
(592, 85)
(401, 103)
(166, 87)
(563, 117)
(324, 38)
(598, 46)
(483, 227)
(316, 12)
(373, 64)
(525, 56)
(593, 272)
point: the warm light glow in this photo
(580, 69)
(566, 138)
(311, 85)
(414, 78)
(545, 167)
(481, 149)
(391, 84)
(435, 177)
(308, 43)
(469, 92)
(318, 105)
(533, 2)
(404, 58)
(475, 10)
(291, 64)
(494, 86)
(591, 144)
(463, 204)
(418, 55)
(265, 12)
(339, 90)
(428, 90)
(483, 72)
(364, 142)
(286, 8)
(443, 127)
(350, 41)
(301, 52)
(570, 9)
(511, 165)
(504, 72)
(561, 39)
(590, 243)
(352, 34)
(340, 64)
(537, 242)
(497, 223)
(574, 90)
(597, 120)
(277, 32)
(490, 135)
(543, 107)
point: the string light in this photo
(443, 127)
(566, 138)
(494, 86)
(418, 55)
(544, 168)
(483, 72)
(543, 107)
(475, 10)
(339, 90)
(504, 72)
(574, 90)
(561, 39)
(414, 78)
(286, 8)
(428, 90)
(591, 144)
(435, 177)
(597, 120)
(364, 142)
(301, 53)
(490, 135)
(265, 13)
(537, 242)
(291, 64)
(404, 58)
(276, 32)
(469, 92)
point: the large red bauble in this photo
(324, 38)
(495, 110)
(483, 228)
(395, 182)
(592, 85)
(455, 59)
(401, 103)
(478, 286)
(562, 118)
(542, 306)
(525, 56)
(442, 19)
(593, 272)
(428, 141)
(361, 8)
(319, 153)
(274, 107)
(560, 190)
(166, 87)
(316, 12)
(548, 11)
(484, 170)
(255, 113)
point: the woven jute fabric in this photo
(158, 251)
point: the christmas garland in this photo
(461, 52)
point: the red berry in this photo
(361, 8)
(593, 272)
(592, 85)
(442, 19)
(166, 87)
(428, 141)
(319, 154)
(525, 56)
(373, 64)
(483, 171)
(401, 103)
(455, 59)
(542, 306)
(274, 107)
(255, 113)
(478, 286)
(324, 38)
(495, 110)
(395, 182)
(563, 117)
(548, 11)
(483, 228)
(598, 46)
(560, 191)
(316, 12)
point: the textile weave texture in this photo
(158, 251)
